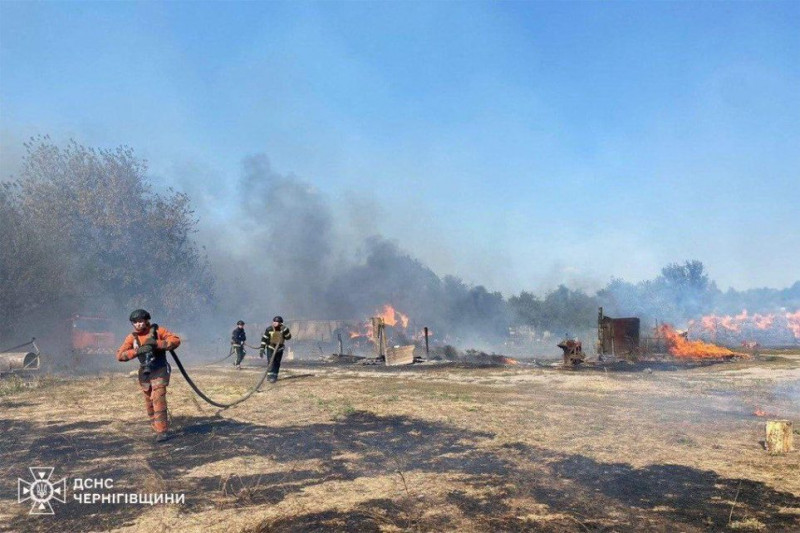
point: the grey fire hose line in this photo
(209, 400)
(230, 353)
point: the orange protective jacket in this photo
(166, 340)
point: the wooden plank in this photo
(400, 355)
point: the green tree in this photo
(561, 311)
(526, 309)
(690, 276)
(685, 290)
(114, 242)
(569, 310)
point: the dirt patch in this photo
(438, 448)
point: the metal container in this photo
(14, 361)
(617, 336)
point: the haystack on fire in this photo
(769, 329)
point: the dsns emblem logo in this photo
(41, 490)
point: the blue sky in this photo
(517, 145)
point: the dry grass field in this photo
(432, 447)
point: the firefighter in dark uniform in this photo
(273, 341)
(237, 342)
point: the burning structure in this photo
(393, 355)
(385, 337)
(617, 336)
(621, 337)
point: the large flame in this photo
(748, 325)
(391, 316)
(680, 346)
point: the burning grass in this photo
(680, 346)
(440, 448)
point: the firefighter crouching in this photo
(273, 341)
(149, 344)
(238, 338)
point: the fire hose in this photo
(230, 353)
(209, 400)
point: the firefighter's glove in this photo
(144, 349)
(261, 353)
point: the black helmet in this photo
(240, 323)
(278, 319)
(139, 314)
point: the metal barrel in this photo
(12, 361)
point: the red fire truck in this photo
(91, 336)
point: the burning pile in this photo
(395, 348)
(390, 317)
(680, 346)
(388, 327)
(766, 329)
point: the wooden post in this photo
(379, 335)
(779, 437)
(427, 352)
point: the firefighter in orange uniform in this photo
(149, 344)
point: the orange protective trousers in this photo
(154, 388)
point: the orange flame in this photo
(680, 346)
(390, 316)
(756, 321)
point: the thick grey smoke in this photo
(287, 249)
(284, 251)
(280, 250)
(291, 238)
